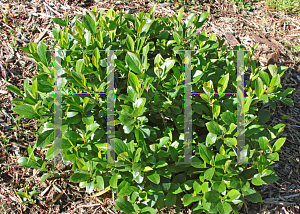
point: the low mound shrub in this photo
(149, 97)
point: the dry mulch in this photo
(27, 21)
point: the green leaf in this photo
(89, 23)
(35, 89)
(141, 141)
(125, 156)
(170, 200)
(80, 163)
(120, 146)
(224, 207)
(88, 120)
(80, 177)
(45, 138)
(253, 196)
(278, 144)
(128, 129)
(44, 177)
(205, 153)
(273, 70)
(208, 87)
(167, 66)
(51, 152)
(130, 43)
(232, 195)
(209, 173)
(15, 89)
(138, 106)
(80, 79)
(137, 167)
(127, 190)
(154, 177)
(42, 52)
(213, 127)
(187, 199)
(177, 37)
(134, 63)
(196, 187)
(160, 164)
(26, 111)
(89, 187)
(124, 205)
(163, 141)
(179, 16)
(201, 19)
(31, 163)
(95, 58)
(264, 144)
(59, 21)
(228, 117)
(99, 182)
(134, 82)
(259, 87)
(264, 77)
(138, 176)
(263, 116)
(269, 176)
(212, 196)
(216, 109)
(159, 72)
(113, 182)
(22, 194)
(223, 83)
(230, 141)
(274, 82)
(127, 120)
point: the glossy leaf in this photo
(80, 177)
(134, 63)
(89, 23)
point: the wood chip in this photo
(280, 46)
(233, 41)
(42, 34)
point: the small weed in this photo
(287, 6)
(4, 17)
(294, 49)
(29, 196)
(243, 4)
(14, 45)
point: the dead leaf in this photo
(101, 192)
(274, 58)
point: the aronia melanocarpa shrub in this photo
(149, 90)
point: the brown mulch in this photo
(27, 21)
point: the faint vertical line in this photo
(241, 153)
(188, 131)
(57, 107)
(110, 109)
(187, 109)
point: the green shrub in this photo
(149, 108)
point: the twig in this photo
(278, 203)
(89, 205)
(41, 14)
(292, 196)
(291, 119)
(50, 8)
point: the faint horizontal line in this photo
(100, 93)
(195, 93)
